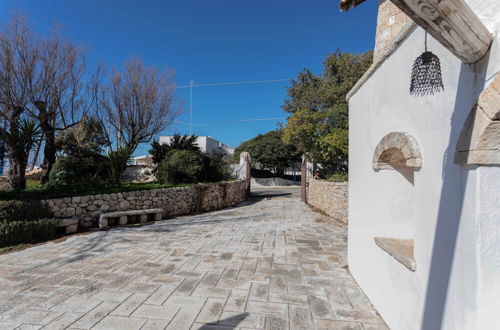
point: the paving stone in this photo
(111, 322)
(267, 308)
(31, 316)
(76, 304)
(187, 286)
(242, 320)
(300, 318)
(320, 307)
(375, 326)
(211, 311)
(8, 325)
(211, 293)
(274, 322)
(159, 296)
(155, 312)
(237, 301)
(113, 296)
(95, 315)
(185, 301)
(155, 324)
(269, 260)
(128, 306)
(337, 325)
(185, 317)
(63, 321)
(201, 326)
(258, 292)
(288, 298)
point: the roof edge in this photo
(398, 40)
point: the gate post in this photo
(303, 180)
(246, 169)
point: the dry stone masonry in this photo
(173, 201)
(329, 197)
(390, 22)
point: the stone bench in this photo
(70, 225)
(123, 215)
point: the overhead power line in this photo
(229, 122)
(193, 84)
(235, 83)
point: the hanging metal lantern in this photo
(426, 76)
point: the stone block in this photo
(71, 229)
(123, 220)
(103, 222)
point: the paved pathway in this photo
(270, 263)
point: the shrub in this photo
(159, 151)
(117, 163)
(338, 177)
(216, 168)
(18, 232)
(181, 166)
(70, 169)
(23, 211)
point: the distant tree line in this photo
(270, 151)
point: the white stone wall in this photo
(329, 197)
(174, 201)
(451, 211)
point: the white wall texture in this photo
(452, 212)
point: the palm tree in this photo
(184, 142)
(345, 5)
(20, 139)
(159, 150)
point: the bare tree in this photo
(138, 104)
(18, 56)
(57, 92)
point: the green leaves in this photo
(86, 138)
(159, 150)
(318, 125)
(117, 162)
(270, 151)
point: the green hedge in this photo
(23, 211)
(18, 232)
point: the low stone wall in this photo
(329, 197)
(173, 201)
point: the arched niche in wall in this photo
(397, 150)
(479, 141)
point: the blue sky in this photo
(211, 42)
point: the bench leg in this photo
(71, 229)
(123, 220)
(158, 216)
(103, 222)
(144, 218)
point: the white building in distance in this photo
(207, 144)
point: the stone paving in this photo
(270, 263)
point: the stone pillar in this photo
(245, 169)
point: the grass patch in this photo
(337, 177)
(13, 248)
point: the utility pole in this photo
(191, 83)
